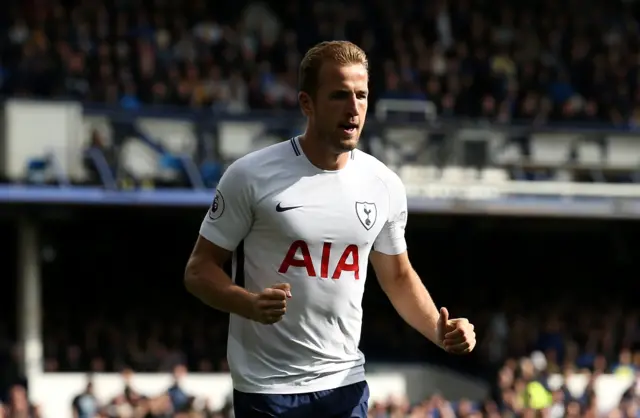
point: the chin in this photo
(347, 144)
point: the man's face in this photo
(338, 112)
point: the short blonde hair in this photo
(340, 52)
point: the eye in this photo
(340, 95)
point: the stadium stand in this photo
(532, 66)
(507, 60)
(174, 90)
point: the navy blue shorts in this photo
(350, 401)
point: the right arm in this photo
(205, 279)
(226, 224)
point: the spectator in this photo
(179, 398)
(85, 404)
(18, 405)
(624, 367)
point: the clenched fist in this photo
(270, 305)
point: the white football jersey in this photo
(288, 221)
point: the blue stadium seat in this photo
(36, 169)
(211, 173)
(170, 162)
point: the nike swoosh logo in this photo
(280, 208)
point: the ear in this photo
(306, 103)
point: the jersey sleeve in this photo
(231, 213)
(391, 238)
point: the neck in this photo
(320, 155)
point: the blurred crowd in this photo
(113, 299)
(175, 402)
(528, 354)
(564, 61)
(530, 388)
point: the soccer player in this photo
(302, 218)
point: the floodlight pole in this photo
(29, 300)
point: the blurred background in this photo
(512, 124)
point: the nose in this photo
(352, 106)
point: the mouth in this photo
(349, 128)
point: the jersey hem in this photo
(327, 383)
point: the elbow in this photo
(191, 277)
(201, 276)
(189, 285)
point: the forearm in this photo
(208, 282)
(412, 301)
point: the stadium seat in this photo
(236, 138)
(170, 167)
(211, 173)
(508, 154)
(551, 149)
(139, 160)
(425, 107)
(170, 162)
(37, 170)
(589, 153)
(452, 174)
(418, 174)
(174, 135)
(623, 152)
(403, 144)
(494, 175)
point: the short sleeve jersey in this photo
(287, 221)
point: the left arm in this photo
(397, 277)
(403, 285)
(407, 293)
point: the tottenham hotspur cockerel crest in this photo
(367, 214)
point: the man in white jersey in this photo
(303, 218)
